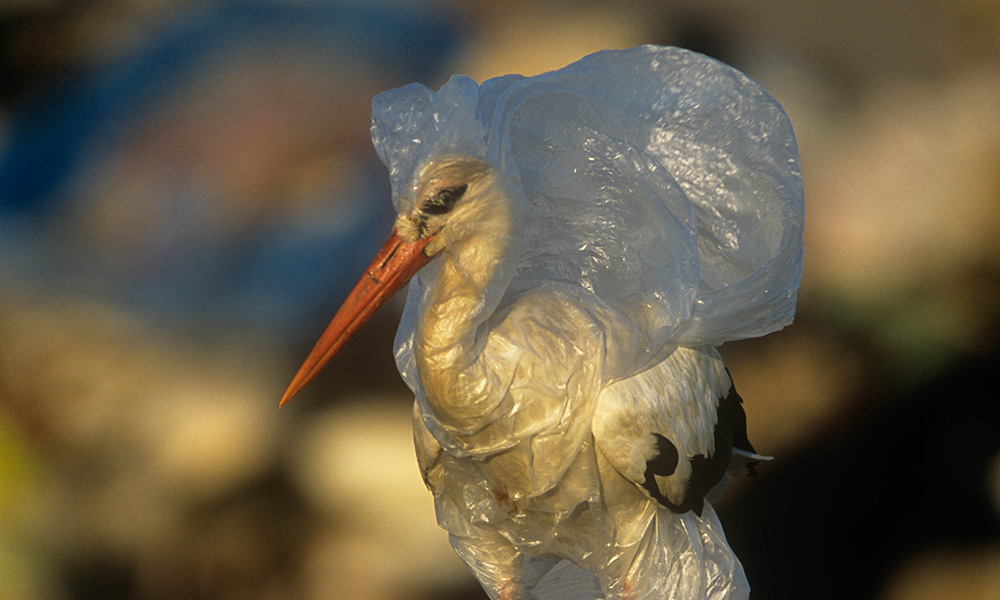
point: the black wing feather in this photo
(706, 471)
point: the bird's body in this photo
(533, 451)
(581, 494)
(572, 414)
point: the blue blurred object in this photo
(46, 136)
(286, 267)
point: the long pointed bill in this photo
(393, 266)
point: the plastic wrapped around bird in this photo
(589, 236)
(661, 180)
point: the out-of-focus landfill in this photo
(186, 191)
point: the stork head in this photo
(455, 198)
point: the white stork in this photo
(578, 243)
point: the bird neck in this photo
(465, 292)
(472, 274)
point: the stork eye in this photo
(444, 200)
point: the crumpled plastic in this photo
(664, 181)
(658, 200)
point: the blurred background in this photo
(187, 191)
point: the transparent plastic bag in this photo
(664, 181)
(657, 203)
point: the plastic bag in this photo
(655, 202)
(664, 181)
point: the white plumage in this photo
(589, 235)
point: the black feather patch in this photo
(663, 464)
(739, 428)
(706, 471)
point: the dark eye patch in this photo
(444, 200)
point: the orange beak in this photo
(394, 265)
